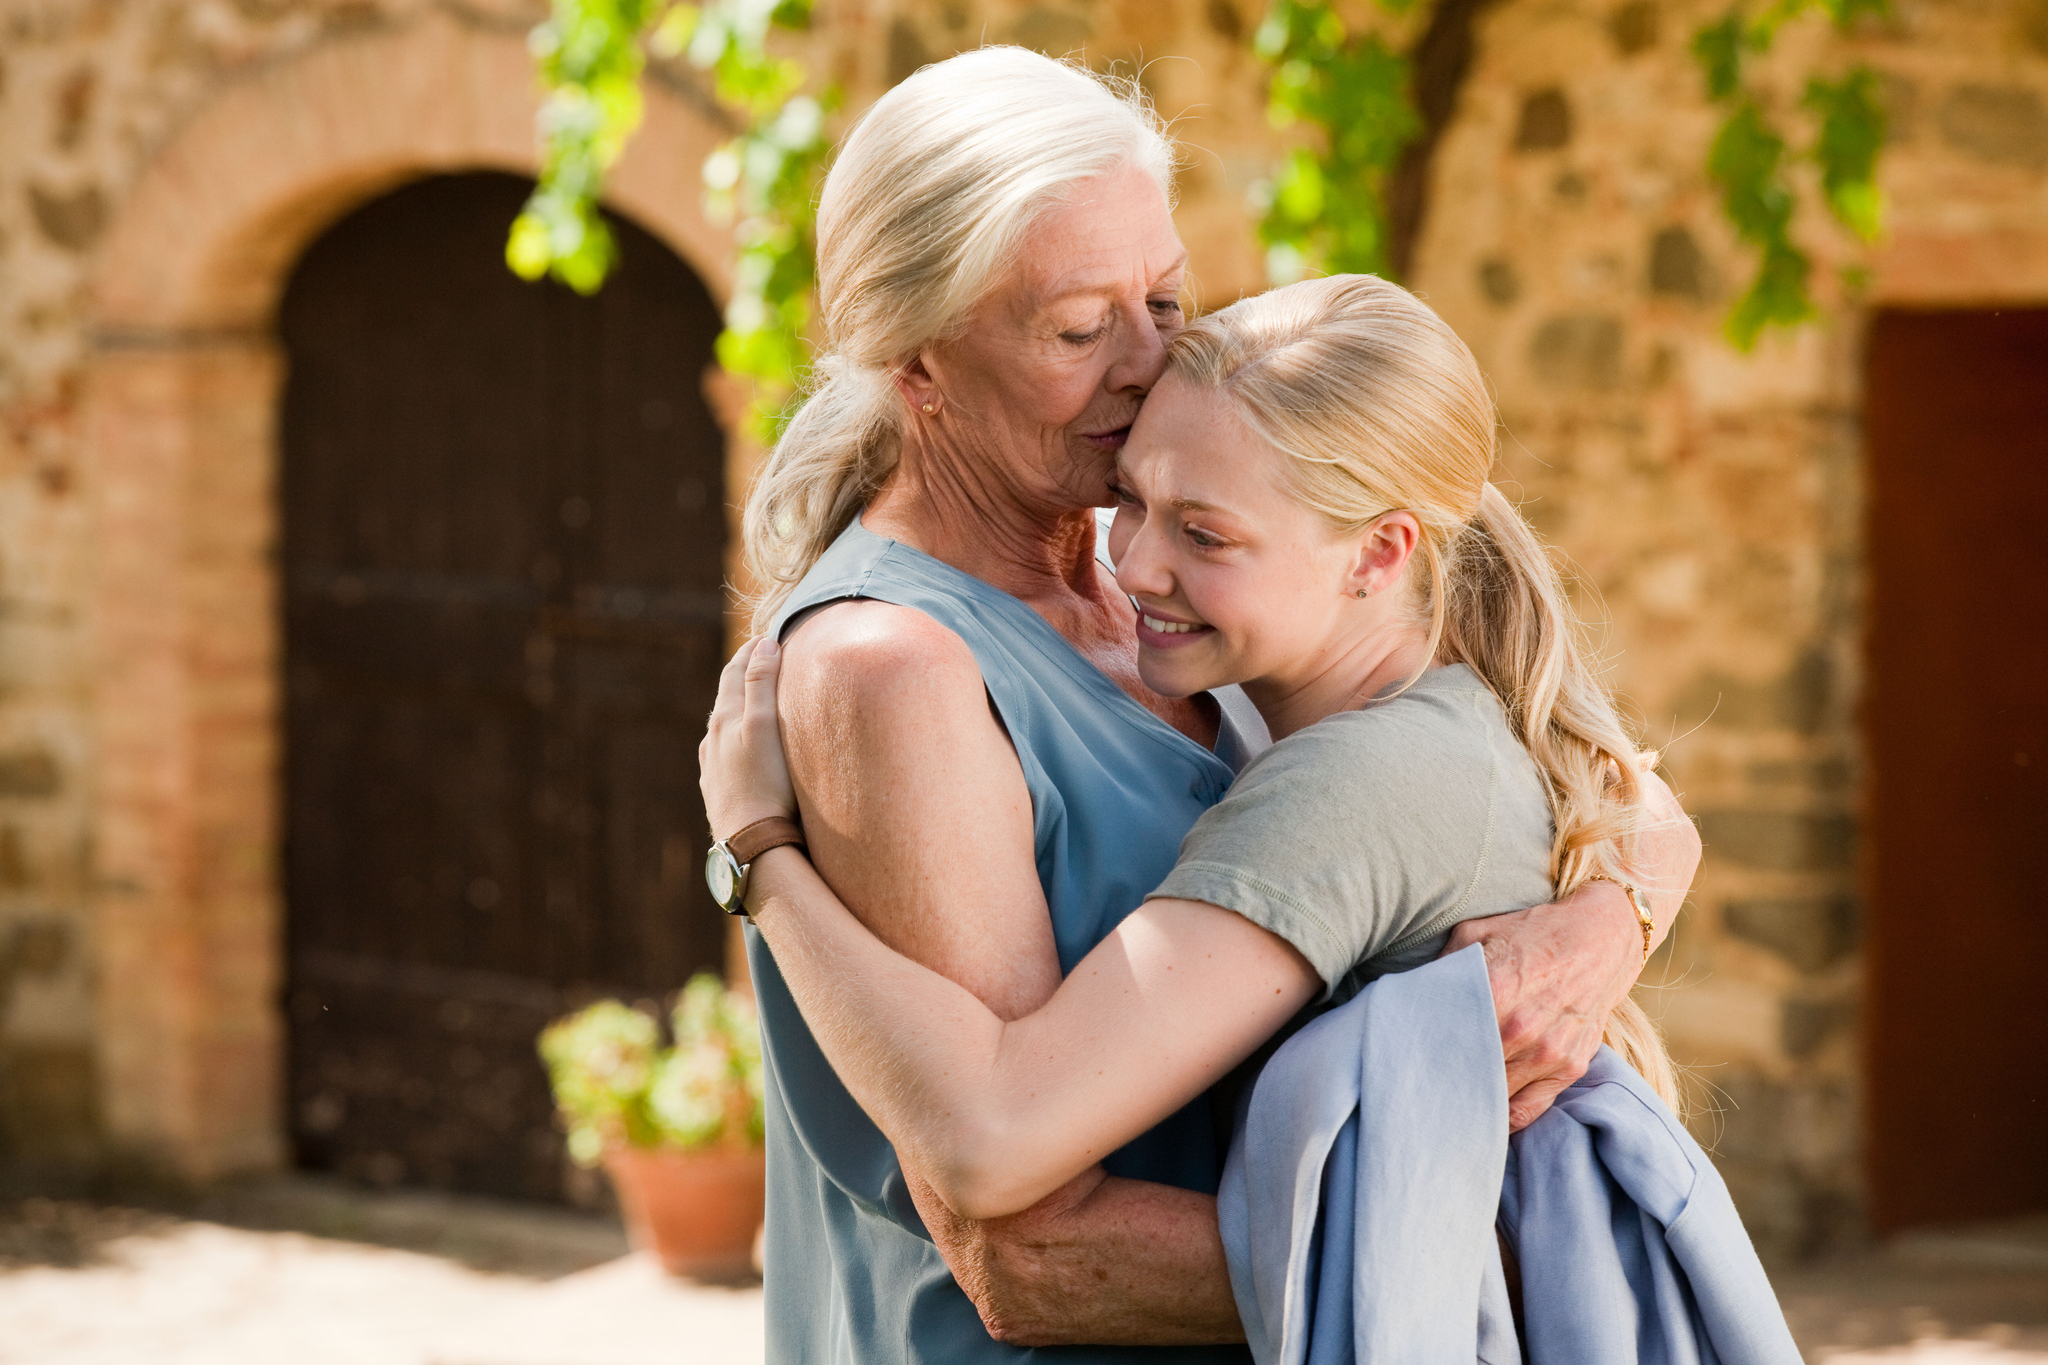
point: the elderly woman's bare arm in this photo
(1101, 1261)
(913, 799)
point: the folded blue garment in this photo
(1365, 1232)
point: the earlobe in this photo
(919, 389)
(1389, 543)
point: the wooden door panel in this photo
(503, 552)
(1958, 746)
(425, 863)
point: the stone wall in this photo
(1710, 500)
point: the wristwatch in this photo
(730, 859)
(1639, 901)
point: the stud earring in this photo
(1365, 592)
(929, 408)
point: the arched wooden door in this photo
(503, 548)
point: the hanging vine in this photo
(1325, 206)
(590, 55)
(1751, 161)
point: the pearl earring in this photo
(1365, 592)
(929, 408)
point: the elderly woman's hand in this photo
(742, 768)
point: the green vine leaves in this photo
(590, 55)
(767, 179)
(1749, 159)
(1324, 206)
(589, 59)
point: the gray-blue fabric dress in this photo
(852, 1274)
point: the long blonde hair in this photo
(1380, 407)
(922, 214)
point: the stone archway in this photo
(180, 402)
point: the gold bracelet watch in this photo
(1640, 901)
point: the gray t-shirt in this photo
(1362, 839)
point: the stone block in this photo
(34, 947)
(1720, 1021)
(1634, 27)
(1225, 20)
(74, 108)
(907, 51)
(1780, 841)
(1796, 700)
(72, 219)
(16, 872)
(2003, 124)
(1767, 1196)
(1824, 776)
(1809, 1127)
(47, 1108)
(28, 772)
(1678, 267)
(1055, 32)
(1811, 933)
(1578, 351)
(1808, 1024)
(1899, 97)
(1498, 281)
(1545, 122)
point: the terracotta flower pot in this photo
(697, 1211)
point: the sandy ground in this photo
(320, 1275)
(311, 1273)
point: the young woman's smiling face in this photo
(1235, 581)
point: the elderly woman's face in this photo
(1053, 367)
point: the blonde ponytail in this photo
(1506, 616)
(921, 216)
(831, 459)
(1381, 407)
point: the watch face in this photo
(720, 876)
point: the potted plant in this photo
(677, 1127)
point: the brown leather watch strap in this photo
(757, 838)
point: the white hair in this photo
(922, 213)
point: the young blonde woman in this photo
(1303, 508)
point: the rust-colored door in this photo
(1956, 724)
(503, 546)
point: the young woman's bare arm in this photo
(995, 1114)
(994, 1105)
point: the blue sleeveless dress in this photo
(852, 1274)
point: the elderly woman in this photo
(984, 779)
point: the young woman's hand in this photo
(742, 769)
